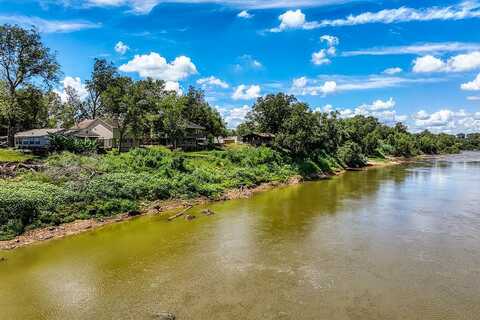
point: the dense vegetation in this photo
(85, 186)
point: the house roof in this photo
(191, 125)
(37, 133)
(262, 135)
(89, 122)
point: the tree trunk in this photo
(11, 136)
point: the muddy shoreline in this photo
(162, 207)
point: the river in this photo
(400, 242)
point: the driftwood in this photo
(181, 213)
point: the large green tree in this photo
(102, 75)
(24, 60)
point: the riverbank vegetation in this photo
(74, 182)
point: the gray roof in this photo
(37, 133)
(191, 125)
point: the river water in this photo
(390, 243)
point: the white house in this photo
(34, 139)
(94, 129)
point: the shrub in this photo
(59, 142)
(350, 154)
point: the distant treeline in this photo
(304, 133)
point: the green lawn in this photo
(9, 155)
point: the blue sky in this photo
(411, 61)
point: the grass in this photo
(9, 155)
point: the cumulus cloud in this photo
(323, 56)
(459, 63)
(381, 109)
(245, 15)
(302, 86)
(416, 49)
(247, 62)
(428, 64)
(173, 86)
(447, 120)
(392, 71)
(331, 41)
(243, 92)
(121, 48)
(473, 85)
(155, 66)
(76, 84)
(473, 98)
(234, 116)
(291, 20)
(212, 82)
(49, 26)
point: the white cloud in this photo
(473, 98)
(49, 26)
(428, 64)
(323, 56)
(332, 41)
(464, 62)
(244, 92)
(320, 58)
(245, 15)
(247, 61)
(291, 20)
(392, 71)
(173, 86)
(447, 120)
(212, 81)
(381, 105)
(75, 83)
(416, 49)
(302, 86)
(473, 85)
(464, 10)
(155, 66)
(234, 116)
(380, 109)
(316, 87)
(121, 48)
(459, 63)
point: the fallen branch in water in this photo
(181, 213)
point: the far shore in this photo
(166, 207)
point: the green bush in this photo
(59, 142)
(350, 154)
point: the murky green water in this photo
(392, 243)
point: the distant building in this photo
(230, 140)
(259, 139)
(96, 129)
(36, 139)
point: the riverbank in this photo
(168, 208)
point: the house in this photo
(36, 139)
(94, 129)
(259, 139)
(230, 140)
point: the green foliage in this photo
(350, 154)
(9, 155)
(59, 142)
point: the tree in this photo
(198, 111)
(33, 105)
(116, 105)
(269, 113)
(23, 60)
(102, 75)
(174, 124)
